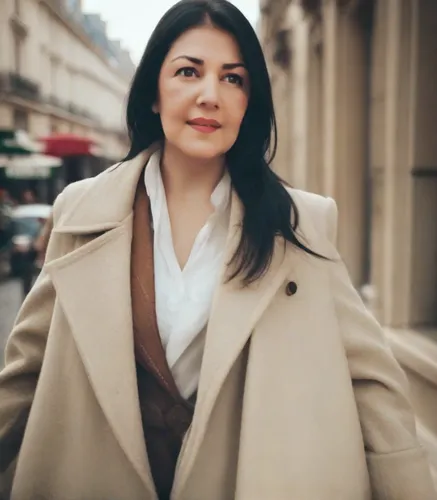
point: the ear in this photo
(155, 108)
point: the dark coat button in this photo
(291, 288)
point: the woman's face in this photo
(203, 93)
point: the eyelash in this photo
(239, 79)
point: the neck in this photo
(188, 176)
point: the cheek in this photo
(237, 109)
(172, 98)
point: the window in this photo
(54, 77)
(73, 5)
(54, 128)
(17, 41)
(21, 119)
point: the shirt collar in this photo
(220, 197)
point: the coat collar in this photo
(93, 287)
(104, 201)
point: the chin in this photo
(203, 151)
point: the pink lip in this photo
(204, 125)
(205, 129)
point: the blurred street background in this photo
(355, 88)
(10, 301)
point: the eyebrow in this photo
(200, 62)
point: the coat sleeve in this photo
(397, 464)
(23, 359)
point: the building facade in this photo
(357, 82)
(357, 85)
(55, 78)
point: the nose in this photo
(209, 92)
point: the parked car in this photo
(27, 223)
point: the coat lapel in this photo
(235, 312)
(92, 284)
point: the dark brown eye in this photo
(235, 79)
(187, 72)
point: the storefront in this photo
(33, 174)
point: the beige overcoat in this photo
(300, 397)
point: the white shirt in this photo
(183, 297)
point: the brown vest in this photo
(165, 414)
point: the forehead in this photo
(206, 43)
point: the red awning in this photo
(67, 145)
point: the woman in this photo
(193, 334)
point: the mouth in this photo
(204, 126)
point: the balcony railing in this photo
(17, 85)
(74, 109)
(54, 101)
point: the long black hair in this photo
(268, 207)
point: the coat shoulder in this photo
(69, 197)
(92, 203)
(74, 191)
(317, 214)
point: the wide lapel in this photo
(92, 285)
(235, 311)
